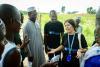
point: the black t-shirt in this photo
(75, 46)
(53, 31)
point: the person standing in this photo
(70, 45)
(78, 26)
(53, 32)
(35, 47)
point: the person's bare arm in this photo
(25, 42)
(56, 50)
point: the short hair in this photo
(53, 11)
(7, 12)
(72, 22)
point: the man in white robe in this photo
(35, 46)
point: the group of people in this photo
(71, 44)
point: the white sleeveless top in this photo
(8, 47)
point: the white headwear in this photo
(31, 9)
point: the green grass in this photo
(87, 22)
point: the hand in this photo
(49, 64)
(52, 51)
(79, 54)
(25, 41)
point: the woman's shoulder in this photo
(80, 34)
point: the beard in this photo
(33, 19)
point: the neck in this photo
(10, 36)
(54, 20)
(71, 33)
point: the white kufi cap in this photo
(31, 9)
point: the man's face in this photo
(33, 15)
(53, 15)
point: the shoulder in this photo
(79, 26)
(48, 23)
(29, 22)
(80, 34)
(93, 51)
(59, 22)
(12, 56)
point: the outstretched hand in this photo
(25, 41)
(52, 51)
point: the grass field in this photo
(87, 22)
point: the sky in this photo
(47, 5)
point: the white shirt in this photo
(79, 29)
(8, 47)
(93, 51)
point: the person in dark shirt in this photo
(53, 32)
(70, 46)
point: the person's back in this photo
(11, 17)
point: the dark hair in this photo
(8, 12)
(52, 11)
(72, 22)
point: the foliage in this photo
(90, 10)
